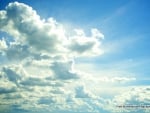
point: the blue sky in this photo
(74, 56)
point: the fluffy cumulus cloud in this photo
(39, 62)
(81, 44)
(23, 23)
(37, 72)
(136, 100)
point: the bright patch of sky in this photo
(74, 56)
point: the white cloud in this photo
(123, 79)
(3, 45)
(96, 33)
(26, 26)
(135, 96)
(80, 44)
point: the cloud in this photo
(45, 100)
(135, 96)
(116, 79)
(11, 77)
(40, 68)
(81, 92)
(3, 45)
(64, 70)
(80, 44)
(7, 90)
(16, 52)
(40, 63)
(32, 81)
(123, 79)
(3, 18)
(23, 23)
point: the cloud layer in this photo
(39, 61)
(37, 65)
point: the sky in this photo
(74, 56)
